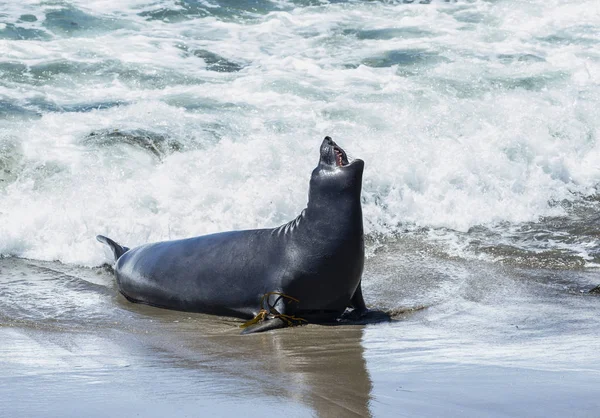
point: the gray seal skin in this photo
(316, 258)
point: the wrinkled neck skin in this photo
(333, 212)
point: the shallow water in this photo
(150, 120)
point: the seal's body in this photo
(317, 258)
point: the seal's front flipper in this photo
(360, 314)
(265, 325)
(369, 316)
(357, 302)
(117, 249)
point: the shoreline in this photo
(505, 346)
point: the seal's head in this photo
(335, 177)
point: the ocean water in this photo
(151, 120)
(148, 120)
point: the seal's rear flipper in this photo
(265, 325)
(117, 249)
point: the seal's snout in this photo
(333, 154)
(328, 142)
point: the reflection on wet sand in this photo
(322, 367)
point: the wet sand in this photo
(493, 341)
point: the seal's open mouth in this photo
(341, 159)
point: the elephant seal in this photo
(307, 270)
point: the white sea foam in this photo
(465, 114)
